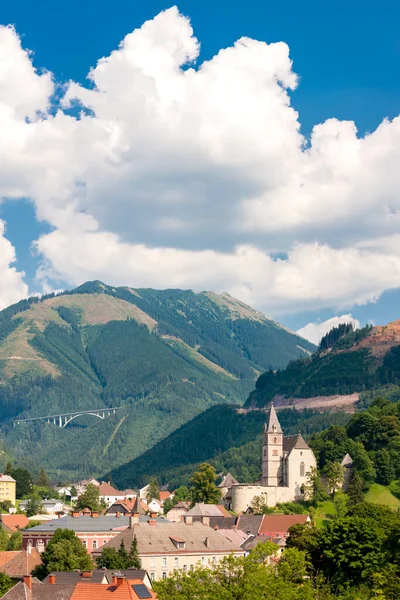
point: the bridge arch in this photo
(81, 415)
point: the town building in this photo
(98, 576)
(7, 488)
(178, 511)
(50, 506)
(201, 510)
(93, 529)
(165, 547)
(83, 586)
(18, 563)
(13, 522)
(286, 463)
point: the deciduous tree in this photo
(203, 485)
(89, 499)
(64, 552)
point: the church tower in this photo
(272, 451)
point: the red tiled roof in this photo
(164, 495)
(105, 489)
(14, 522)
(280, 523)
(19, 563)
(100, 591)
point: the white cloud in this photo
(197, 176)
(12, 286)
(315, 331)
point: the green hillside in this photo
(230, 440)
(359, 360)
(162, 356)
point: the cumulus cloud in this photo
(189, 174)
(12, 286)
(315, 331)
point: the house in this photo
(273, 526)
(123, 507)
(155, 506)
(165, 495)
(7, 488)
(201, 510)
(286, 463)
(12, 523)
(164, 547)
(98, 576)
(93, 529)
(50, 506)
(109, 494)
(143, 492)
(58, 587)
(18, 563)
(178, 511)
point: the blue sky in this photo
(346, 55)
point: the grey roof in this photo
(347, 462)
(97, 576)
(273, 424)
(294, 441)
(249, 523)
(158, 539)
(223, 522)
(204, 510)
(87, 523)
(228, 481)
(40, 591)
(253, 541)
(137, 507)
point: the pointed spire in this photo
(273, 423)
(137, 507)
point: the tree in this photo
(64, 552)
(74, 492)
(293, 565)
(384, 468)
(153, 491)
(134, 560)
(34, 506)
(109, 559)
(24, 482)
(89, 499)
(123, 554)
(3, 539)
(181, 494)
(203, 485)
(15, 541)
(168, 504)
(259, 505)
(9, 469)
(42, 479)
(355, 489)
(334, 476)
(6, 583)
(340, 501)
(314, 488)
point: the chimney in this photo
(76, 514)
(86, 574)
(28, 581)
(120, 580)
(206, 520)
(118, 514)
(29, 549)
(207, 542)
(154, 515)
(52, 579)
(95, 514)
(114, 579)
(152, 522)
(133, 519)
(216, 527)
(189, 520)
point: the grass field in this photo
(380, 494)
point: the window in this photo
(94, 544)
(265, 452)
(152, 576)
(164, 561)
(176, 561)
(214, 560)
(274, 452)
(84, 542)
(203, 561)
(275, 440)
(164, 575)
(105, 542)
(184, 568)
(302, 469)
(152, 562)
(192, 567)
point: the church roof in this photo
(273, 424)
(137, 507)
(228, 481)
(347, 461)
(294, 441)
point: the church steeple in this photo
(273, 424)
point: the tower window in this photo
(275, 440)
(302, 469)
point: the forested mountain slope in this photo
(162, 356)
(230, 440)
(347, 362)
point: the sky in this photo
(235, 146)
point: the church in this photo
(286, 461)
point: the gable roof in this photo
(249, 523)
(294, 441)
(40, 591)
(156, 539)
(347, 462)
(272, 524)
(164, 495)
(200, 509)
(19, 563)
(228, 481)
(14, 522)
(105, 489)
(96, 591)
(273, 423)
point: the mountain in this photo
(360, 360)
(227, 437)
(161, 357)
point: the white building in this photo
(286, 462)
(50, 507)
